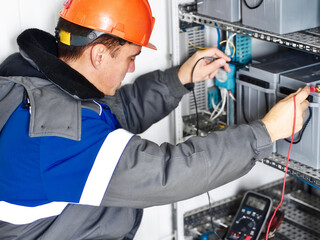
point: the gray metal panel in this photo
(309, 76)
(285, 61)
(228, 10)
(282, 16)
(252, 99)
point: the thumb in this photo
(215, 65)
(303, 94)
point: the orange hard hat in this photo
(130, 20)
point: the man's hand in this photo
(205, 69)
(279, 120)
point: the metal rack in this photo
(307, 40)
(300, 209)
(296, 169)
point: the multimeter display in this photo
(250, 218)
(256, 203)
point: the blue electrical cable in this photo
(219, 36)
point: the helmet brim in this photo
(151, 46)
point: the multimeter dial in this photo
(250, 218)
(245, 224)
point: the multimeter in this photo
(251, 217)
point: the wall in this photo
(18, 15)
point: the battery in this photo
(281, 16)
(306, 143)
(256, 88)
(228, 10)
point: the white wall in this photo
(18, 15)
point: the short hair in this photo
(69, 52)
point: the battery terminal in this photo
(315, 89)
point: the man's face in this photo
(116, 68)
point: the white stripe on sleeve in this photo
(94, 189)
(104, 166)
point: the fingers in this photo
(210, 68)
(302, 94)
(220, 54)
(205, 68)
(279, 120)
(300, 115)
(304, 105)
(292, 94)
(211, 75)
(227, 68)
(218, 63)
(222, 59)
(214, 52)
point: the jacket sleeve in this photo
(149, 175)
(149, 99)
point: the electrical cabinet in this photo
(190, 29)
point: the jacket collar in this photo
(39, 48)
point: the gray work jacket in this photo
(147, 174)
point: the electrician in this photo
(71, 164)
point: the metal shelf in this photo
(300, 209)
(307, 40)
(296, 169)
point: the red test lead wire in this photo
(285, 174)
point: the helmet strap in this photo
(75, 40)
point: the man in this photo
(71, 164)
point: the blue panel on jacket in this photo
(39, 170)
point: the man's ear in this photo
(98, 55)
